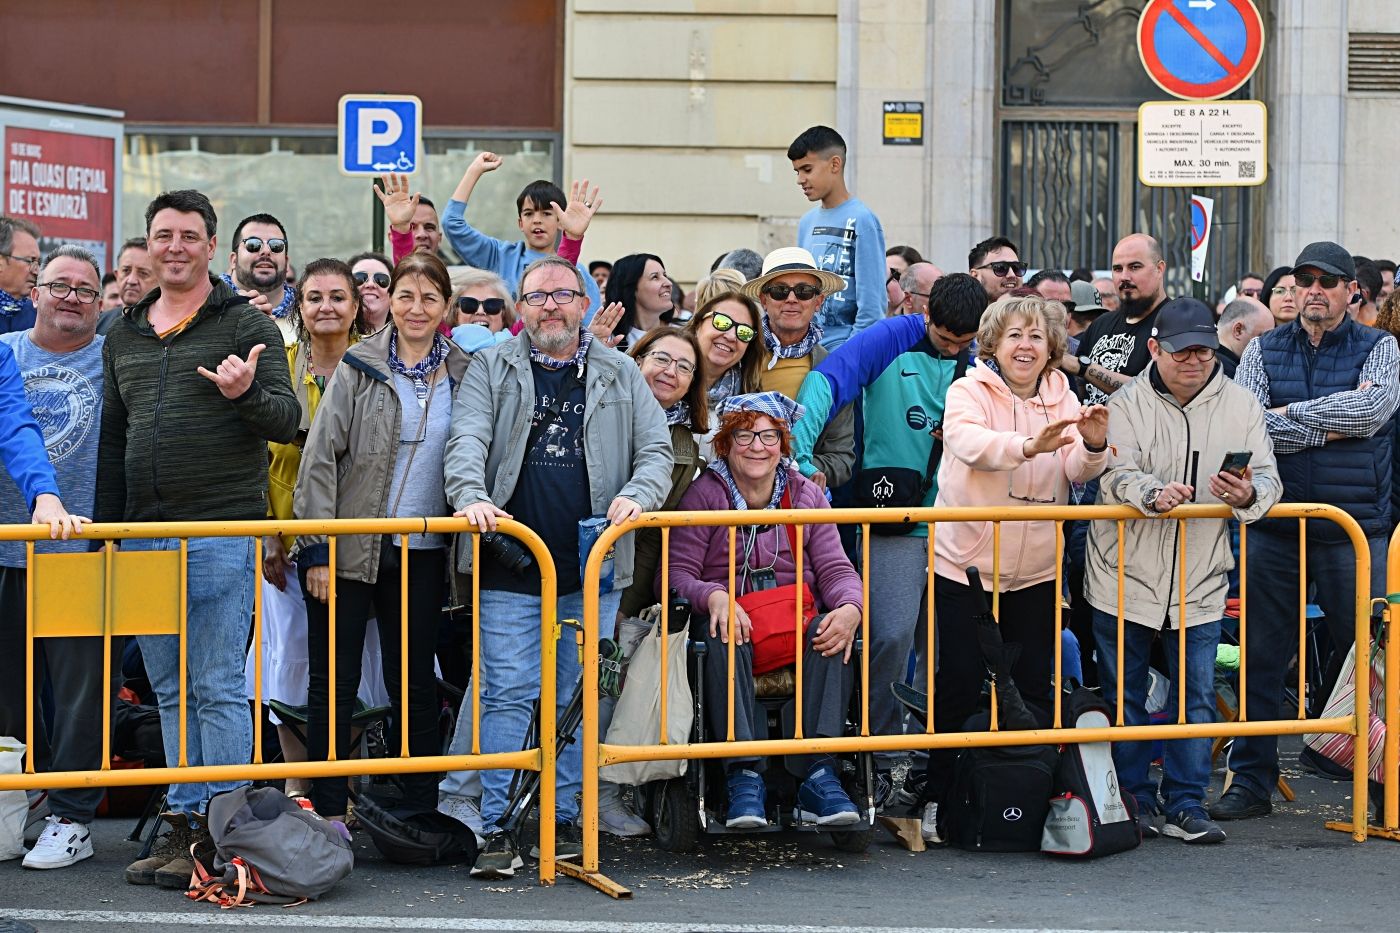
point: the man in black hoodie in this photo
(190, 400)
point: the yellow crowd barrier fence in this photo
(114, 593)
(597, 753)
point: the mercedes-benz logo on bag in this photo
(1011, 814)
(883, 489)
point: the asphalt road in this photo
(1283, 873)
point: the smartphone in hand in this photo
(1235, 462)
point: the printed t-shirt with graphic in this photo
(552, 493)
(848, 240)
(1117, 346)
(65, 392)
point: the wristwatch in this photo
(1084, 364)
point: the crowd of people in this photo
(201, 379)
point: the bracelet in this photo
(1092, 449)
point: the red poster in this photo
(63, 182)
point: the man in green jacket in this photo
(190, 401)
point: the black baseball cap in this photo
(1327, 256)
(1183, 323)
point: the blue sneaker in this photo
(746, 801)
(822, 800)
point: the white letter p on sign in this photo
(378, 126)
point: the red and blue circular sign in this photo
(1199, 223)
(1200, 49)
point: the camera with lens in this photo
(509, 553)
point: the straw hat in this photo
(792, 259)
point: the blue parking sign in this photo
(380, 133)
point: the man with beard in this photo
(1113, 349)
(996, 263)
(258, 266)
(521, 447)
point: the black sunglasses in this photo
(1000, 269)
(804, 292)
(491, 306)
(1306, 279)
(254, 244)
(380, 278)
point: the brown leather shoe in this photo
(176, 873)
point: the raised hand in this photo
(235, 375)
(1050, 439)
(257, 300)
(1093, 425)
(582, 206)
(485, 162)
(399, 205)
(601, 327)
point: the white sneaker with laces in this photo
(62, 843)
(466, 810)
(928, 826)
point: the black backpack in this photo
(412, 835)
(1090, 815)
(1000, 795)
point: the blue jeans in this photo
(219, 728)
(1272, 632)
(510, 683)
(1186, 764)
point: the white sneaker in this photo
(466, 810)
(62, 843)
(614, 816)
(38, 813)
(928, 826)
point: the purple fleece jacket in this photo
(700, 554)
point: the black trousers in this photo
(354, 602)
(73, 666)
(1027, 619)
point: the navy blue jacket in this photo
(1353, 474)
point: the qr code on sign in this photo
(1247, 169)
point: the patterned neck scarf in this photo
(678, 413)
(289, 296)
(424, 368)
(796, 351)
(727, 385)
(10, 305)
(580, 359)
(736, 498)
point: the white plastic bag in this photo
(14, 804)
(637, 717)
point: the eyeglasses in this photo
(1306, 280)
(561, 296)
(254, 244)
(1284, 289)
(30, 261)
(723, 322)
(61, 290)
(804, 292)
(768, 437)
(379, 278)
(926, 296)
(491, 306)
(1204, 354)
(999, 269)
(893, 276)
(666, 361)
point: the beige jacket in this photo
(347, 464)
(1153, 441)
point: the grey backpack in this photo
(268, 849)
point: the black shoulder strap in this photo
(935, 453)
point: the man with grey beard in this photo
(522, 448)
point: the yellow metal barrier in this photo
(597, 754)
(113, 593)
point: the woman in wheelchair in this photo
(752, 470)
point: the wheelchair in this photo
(684, 810)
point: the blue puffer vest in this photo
(1353, 474)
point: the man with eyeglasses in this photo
(257, 270)
(996, 263)
(790, 290)
(1113, 349)
(1329, 387)
(915, 284)
(899, 372)
(1169, 431)
(521, 447)
(19, 270)
(60, 362)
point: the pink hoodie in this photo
(984, 429)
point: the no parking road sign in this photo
(1200, 49)
(380, 133)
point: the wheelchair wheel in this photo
(676, 817)
(857, 841)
